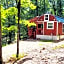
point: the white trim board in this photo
(57, 28)
(62, 28)
(47, 21)
(44, 17)
(46, 37)
(50, 22)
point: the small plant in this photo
(57, 47)
(13, 58)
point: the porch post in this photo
(57, 29)
(43, 27)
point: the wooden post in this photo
(0, 39)
(59, 36)
(18, 6)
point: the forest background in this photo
(29, 9)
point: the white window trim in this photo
(40, 21)
(44, 17)
(62, 28)
(50, 22)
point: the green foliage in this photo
(31, 24)
(28, 10)
(23, 31)
(11, 28)
(9, 17)
(27, 3)
(11, 11)
(14, 58)
(24, 28)
(48, 41)
(27, 23)
(4, 30)
(24, 24)
(3, 16)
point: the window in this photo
(63, 28)
(40, 25)
(46, 17)
(50, 25)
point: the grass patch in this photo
(13, 58)
(3, 45)
(46, 41)
(40, 44)
(58, 47)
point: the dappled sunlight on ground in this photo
(39, 51)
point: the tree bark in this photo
(0, 39)
(54, 7)
(60, 10)
(37, 7)
(44, 6)
(18, 6)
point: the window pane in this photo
(50, 26)
(39, 25)
(63, 25)
(46, 15)
(46, 18)
(63, 30)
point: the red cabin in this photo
(47, 27)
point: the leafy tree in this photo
(24, 24)
(10, 14)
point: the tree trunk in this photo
(37, 7)
(0, 39)
(18, 6)
(44, 6)
(10, 38)
(60, 10)
(9, 32)
(54, 7)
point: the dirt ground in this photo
(37, 52)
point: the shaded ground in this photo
(38, 52)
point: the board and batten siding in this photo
(50, 31)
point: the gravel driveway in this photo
(34, 50)
(24, 46)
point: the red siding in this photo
(60, 28)
(39, 31)
(50, 31)
(52, 18)
(41, 18)
(33, 19)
